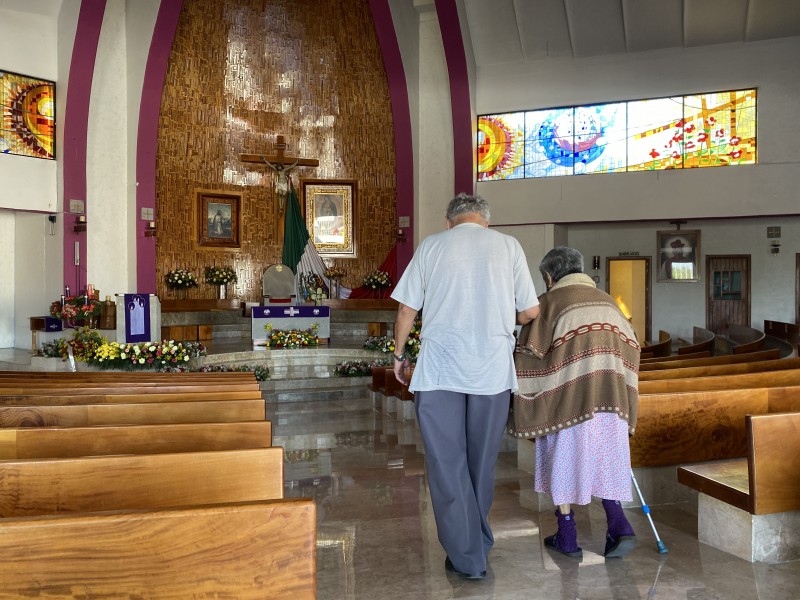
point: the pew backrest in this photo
(99, 483)
(64, 442)
(52, 398)
(761, 366)
(702, 341)
(673, 362)
(259, 550)
(88, 415)
(787, 377)
(773, 462)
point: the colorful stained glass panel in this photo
(720, 129)
(28, 116)
(549, 142)
(655, 134)
(501, 146)
(601, 133)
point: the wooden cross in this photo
(281, 164)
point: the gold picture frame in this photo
(678, 256)
(218, 218)
(330, 214)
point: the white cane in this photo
(662, 549)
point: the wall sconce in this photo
(150, 230)
(400, 235)
(775, 248)
(80, 224)
(52, 220)
(596, 262)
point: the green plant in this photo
(180, 279)
(220, 275)
(377, 280)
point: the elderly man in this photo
(472, 284)
(579, 371)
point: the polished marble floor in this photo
(377, 537)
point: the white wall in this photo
(767, 188)
(7, 238)
(28, 183)
(677, 307)
(108, 251)
(434, 131)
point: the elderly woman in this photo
(577, 367)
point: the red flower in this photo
(654, 153)
(689, 128)
(679, 123)
(678, 137)
(735, 140)
(676, 155)
(736, 154)
(720, 132)
(702, 137)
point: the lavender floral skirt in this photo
(590, 459)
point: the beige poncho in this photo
(580, 356)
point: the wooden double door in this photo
(727, 292)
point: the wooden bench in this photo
(132, 376)
(674, 362)
(86, 415)
(789, 332)
(761, 366)
(122, 396)
(263, 550)
(755, 495)
(63, 442)
(703, 340)
(688, 427)
(740, 340)
(782, 378)
(659, 349)
(647, 360)
(32, 487)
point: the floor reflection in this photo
(377, 537)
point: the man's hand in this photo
(399, 370)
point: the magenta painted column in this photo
(401, 115)
(460, 98)
(147, 138)
(76, 122)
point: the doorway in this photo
(628, 282)
(727, 292)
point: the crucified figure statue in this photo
(281, 164)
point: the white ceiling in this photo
(507, 31)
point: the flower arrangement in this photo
(358, 368)
(181, 279)
(292, 338)
(146, 355)
(220, 275)
(75, 307)
(334, 273)
(377, 280)
(261, 372)
(386, 344)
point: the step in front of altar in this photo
(317, 390)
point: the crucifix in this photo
(281, 164)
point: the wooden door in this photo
(628, 281)
(727, 292)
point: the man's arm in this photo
(527, 315)
(402, 327)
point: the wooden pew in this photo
(768, 480)
(753, 497)
(661, 348)
(787, 377)
(258, 550)
(57, 442)
(51, 398)
(690, 427)
(130, 375)
(87, 415)
(34, 487)
(646, 360)
(789, 332)
(702, 341)
(674, 362)
(760, 366)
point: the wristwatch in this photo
(400, 358)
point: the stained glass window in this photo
(28, 121)
(702, 130)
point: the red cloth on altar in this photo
(390, 266)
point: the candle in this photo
(151, 225)
(82, 219)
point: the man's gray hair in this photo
(561, 261)
(464, 204)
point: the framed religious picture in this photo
(330, 215)
(218, 218)
(678, 255)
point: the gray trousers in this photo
(462, 435)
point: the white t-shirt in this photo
(469, 282)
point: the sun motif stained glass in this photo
(28, 119)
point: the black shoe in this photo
(448, 565)
(619, 547)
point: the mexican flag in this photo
(299, 252)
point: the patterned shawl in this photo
(580, 356)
